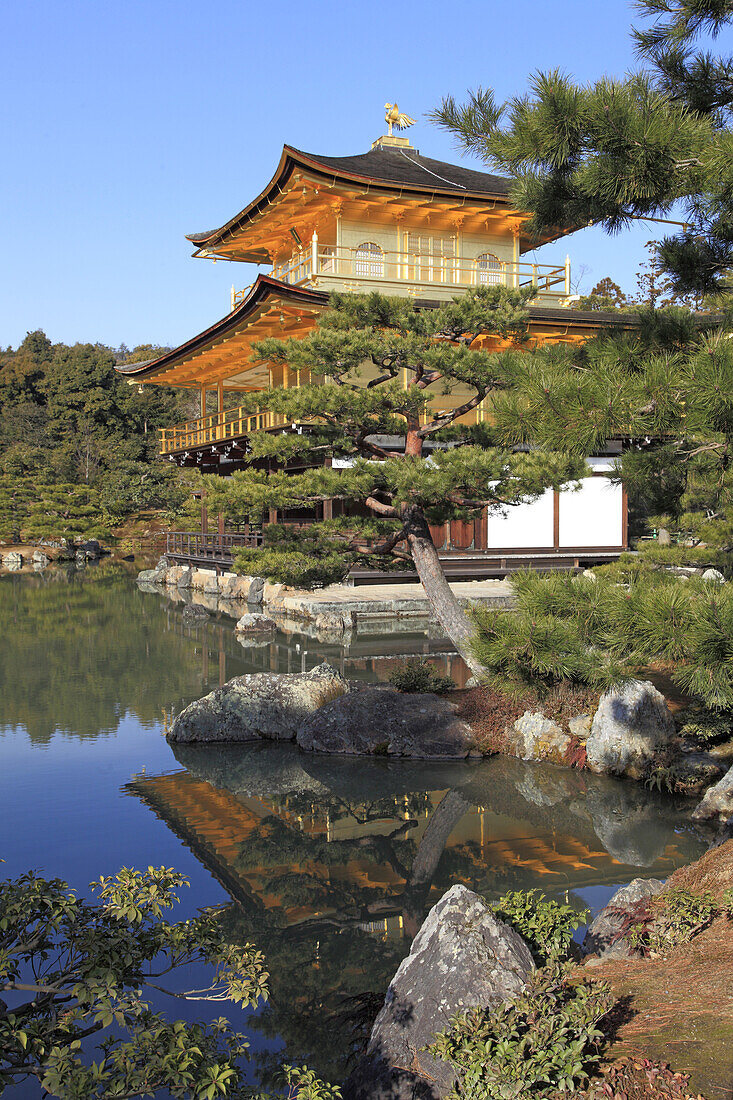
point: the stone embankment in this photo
(334, 610)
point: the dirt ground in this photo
(680, 1009)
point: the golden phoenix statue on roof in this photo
(395, 117)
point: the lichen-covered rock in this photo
(717, 804)
(603, 935)
(713, 575)
(462, 957)
(535, 737)
(267, 705)
(630, 727)
(383, 721)
(255, 624)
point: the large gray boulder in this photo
(462, 957)
(717, 803)
(631, 726)
(383, 721)
(603, 935)
(268, 705)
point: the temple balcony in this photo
(369, 267)
(217, 428)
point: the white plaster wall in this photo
(525, 525)
(592, 516)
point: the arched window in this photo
(488, 269)
(369, 260)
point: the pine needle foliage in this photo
(613, 150)
(601, 633)
(378, 367)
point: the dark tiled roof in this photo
(395, 165)
(390, 166)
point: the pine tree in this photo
(383, 363)
(616, 150)
(610, 152)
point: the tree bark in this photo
(446, 607)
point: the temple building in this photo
(405, 224)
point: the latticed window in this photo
(328, 256)
(369, 260)
(488, 269)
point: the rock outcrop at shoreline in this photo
(717, 804)
(462, 957)
(604, 937)
(383, 721)
(258, 706)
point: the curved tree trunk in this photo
(446, 607)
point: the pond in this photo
(328, 865)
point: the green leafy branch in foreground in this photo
(545, 1041)
(599, 632)
(546, 925)
(71, 969)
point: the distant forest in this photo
(78, 444)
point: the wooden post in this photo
(204, 518)
(220, 409)
(314, 255)
(220, 524)
(203, 401)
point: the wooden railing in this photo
(198, 546)
(356, 265)
(217, 428)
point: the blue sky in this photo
(128, 125)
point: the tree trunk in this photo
(446, 607)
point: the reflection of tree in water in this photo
(329, 971)
(87, 648)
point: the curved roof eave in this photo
(263, 288)
(291, 157)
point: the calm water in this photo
(329, 865)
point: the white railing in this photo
(356, 265)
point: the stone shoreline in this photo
(337, 608)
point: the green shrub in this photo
(574, 630)
(673, 917)
(546, 1041)
(291, 567)
(708, 728)
(547, 926)
(418, 675)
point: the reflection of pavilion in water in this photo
(379, 860)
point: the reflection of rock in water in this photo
(633, 827)
(254, 770)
